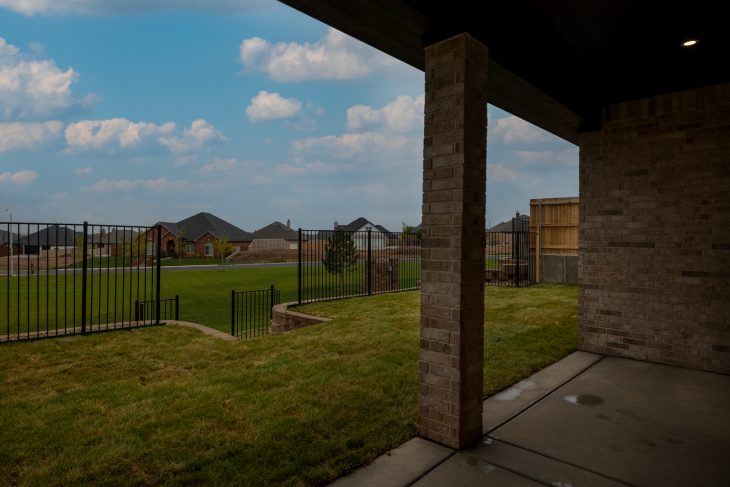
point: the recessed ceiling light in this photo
(689, 43)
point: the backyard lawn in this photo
(168, 405)
(205, 294)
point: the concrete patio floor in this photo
(585, 420)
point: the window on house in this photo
(190, 248)
(150, 248)
(208, 249)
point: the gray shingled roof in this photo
(53, 235)
(276, 230)
(522, 225)
(5, 237)
(114, 237)
(357, 224)
(198, 225)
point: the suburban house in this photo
(113, 241)
(275, 236)
(51, 237)
(379, 235)
(5, 239)
(198, 234)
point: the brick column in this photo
(452, 280)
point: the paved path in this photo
(585, 420)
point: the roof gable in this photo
(276, 230)
(198, 225)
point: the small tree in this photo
(340, 255)
(222, 246)
(406, 232)
(180, 245)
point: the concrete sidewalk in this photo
(585, 420)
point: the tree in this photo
(222, 246)
(180, 245)
(406, 232)
(340, 255)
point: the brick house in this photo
(200, 234)
(275, 235)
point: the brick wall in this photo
(654, 264)
(452, 243)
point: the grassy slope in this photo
(169, 405)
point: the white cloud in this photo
(160, 184)
(114, 133)
(27, 135)
(35, 89)
(373, 146)
(84, 171)
(101, 7)
(218, 165)
(514, 130)
(199, 135)
(336, 56)
(316, 167)
(404, 114)
(499, 173)
(272, 106)
(561, 158)
(18, 178)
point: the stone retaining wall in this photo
(284, 319)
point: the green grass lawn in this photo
(168, 405)
(205, 294)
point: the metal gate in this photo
(251, 311)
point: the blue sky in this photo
(134, 111)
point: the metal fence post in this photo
(518, 269)
(233, 312)
(370, 263)
(84, 266)
(177, 307)
(299, 269)
(136, 310)
(271, 301)
(159, 275)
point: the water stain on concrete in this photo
(584, 399)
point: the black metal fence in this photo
(510, 260)
(336, 264)
(251, 311)
(62, 279)
(147, 310)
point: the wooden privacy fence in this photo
(554, 221)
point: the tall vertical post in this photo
(84, 269)
(518, 270)
(233, 312)
(451, 357)
(177, 307)
(271, 302)
(158, 269)
(369, 275)
(299, 268)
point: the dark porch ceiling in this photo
(553, 63)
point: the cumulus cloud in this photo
(336, 56)
(404, 114)
(299, 167)
(84, 171)
(114, 133)
(199, 135)
(499, 173)
(18, 178)
(272, 106)
(514, 130)
(102, 7)
(561, 158)
(375, 146)
(160, 184)
(218, 165)
(35, 89)
(28, 135)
